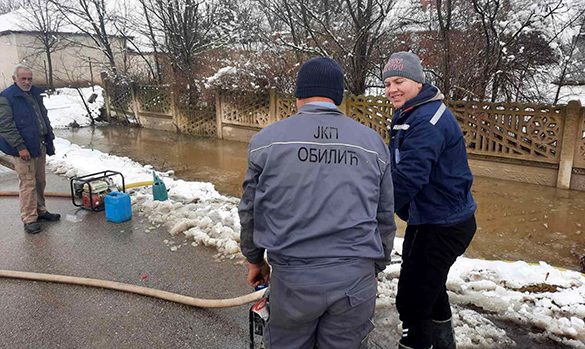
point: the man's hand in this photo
(258, 274)
(24, 154)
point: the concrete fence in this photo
(540, 144)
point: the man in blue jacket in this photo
(26, 134)
(432, 192)
(318, 198)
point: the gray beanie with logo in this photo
(404, 64)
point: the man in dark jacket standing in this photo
(318, 198)
(432, 192)
(26, 134)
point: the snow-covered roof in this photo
(16, 22)
(22, 21)
(9, 22)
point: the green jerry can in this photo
(159, 190)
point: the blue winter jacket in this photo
(430, 172)
(26, 122)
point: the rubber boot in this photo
(416, 335)
(443, 334)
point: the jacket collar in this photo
(318, 109)
(428, 93)
(35, 91)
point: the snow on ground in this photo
(67, 107)
(538, 296)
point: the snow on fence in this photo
(550, 137)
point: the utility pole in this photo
(91, 74)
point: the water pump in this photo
(89, 191)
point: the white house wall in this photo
(70, 63)
(8, 59)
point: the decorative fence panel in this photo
(246, 109)
(286, 105)
(121, 98)
(197, 120)
(521, 133)
(154, 99)
(512, 130)
(371, 111)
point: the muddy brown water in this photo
(516, 221)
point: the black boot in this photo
(32, 228)
(443, 334)
(48, 216)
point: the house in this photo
(76, 60)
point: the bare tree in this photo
(349, 31)
(568, 53)
(44, 21)
(515, 36)
(444, 15)
(184, 31)
(149, 33)
(94, 19)
(189, 28)
(7, 6)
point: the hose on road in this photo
(112, 285)
(68, 195)
(47, 194)
(145, 291)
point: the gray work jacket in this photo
(318, 185)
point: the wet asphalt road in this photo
(49, 315)
(35, 314)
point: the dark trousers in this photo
(428, 253)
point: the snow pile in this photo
(537, 296)
(194, 209)
(66, 107)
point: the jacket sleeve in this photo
(8, 129)
(420, 151)
(385, 217)
(254, 254)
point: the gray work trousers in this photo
(323, 303)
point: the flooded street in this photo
(516, 221)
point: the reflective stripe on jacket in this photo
(431, 175)
(318, 185)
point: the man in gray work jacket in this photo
(26, 135)
(318, 198)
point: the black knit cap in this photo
(320, 77)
